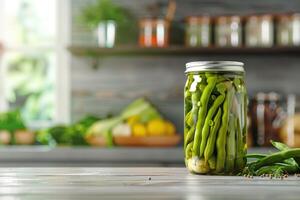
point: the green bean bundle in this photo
(215, 122)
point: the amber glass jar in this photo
(265, 111)
(154, 32)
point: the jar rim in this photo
(217, 66)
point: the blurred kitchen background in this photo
(100, 82)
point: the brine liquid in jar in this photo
(215, 117)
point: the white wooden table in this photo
(138, 183)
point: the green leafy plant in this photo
(11, 121)
(66, 135)
(104, 10)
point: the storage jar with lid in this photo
(215, 100)
(198, 31)
(228, 31)
(259, 31)
(288, 30)
(154, 32)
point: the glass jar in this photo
(215, 121)
(106, 33)
(266, 113)
(154, 32)
(259, 31)
(288, 30)
(228, 31)
(290, 130)
(198, 31)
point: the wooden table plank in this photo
(138, 183)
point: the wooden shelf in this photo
(178, 50)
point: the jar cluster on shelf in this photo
(263, 30)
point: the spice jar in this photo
(259, 31)
(228, 31)
(290, 129)
(288, 30)
(265, 112)
(154, 32)
(215, 101)
(198, 31)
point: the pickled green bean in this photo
(202, 112)
(221, 139)
(210, 147)
(230, 145)
(205, 132)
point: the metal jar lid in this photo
(214, 66)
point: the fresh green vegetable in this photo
(11, 121)
(256, 156)
(276, 164)
(275, 158)
(66, 135)
(139, 107)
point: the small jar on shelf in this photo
(228, 31)
(288, 30)
(290, 131)
(259, 31)
(266, 113)
(198, 31)
(154, 32)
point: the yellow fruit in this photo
(133, 120)
(139, 130)
(170, 128)
(156, 127)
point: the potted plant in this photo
(105, 18)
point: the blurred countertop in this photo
(44, 156)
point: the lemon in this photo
(156, 127)
(170, 128)
(139, 130)
(133, 120)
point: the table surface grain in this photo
(138, 183)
